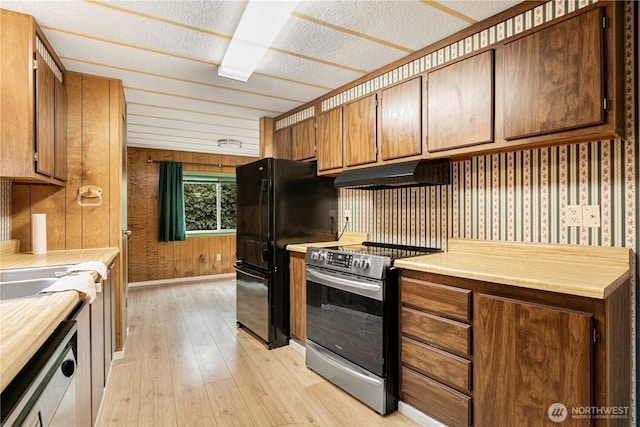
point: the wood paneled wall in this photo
(150, 259)
(94, 157)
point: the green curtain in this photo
(171, 203)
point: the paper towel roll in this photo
(39, 233)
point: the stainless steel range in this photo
(352, 318)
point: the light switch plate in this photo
(573, 216)
(591, 215)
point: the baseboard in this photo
(118, 355)
(224, 276)
(298, 347)
(418, 416)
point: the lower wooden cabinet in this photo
(527, 357)
(527, 350)
(297, 297)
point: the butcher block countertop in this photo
(580, 270)
(26, 323)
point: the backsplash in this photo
(518, 196)
(5, 210)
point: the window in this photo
(209, 203)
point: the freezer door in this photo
(252, 302)
(254, 199)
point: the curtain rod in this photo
(220, 165)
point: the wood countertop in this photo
(587, 271)
(346, 239)
(26, 323)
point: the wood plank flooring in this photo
(187, 364)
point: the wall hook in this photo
(89, 192)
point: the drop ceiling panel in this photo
(409, 24)
(480, 10)
(171, 115)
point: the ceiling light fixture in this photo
(228, 141)
(258, 28)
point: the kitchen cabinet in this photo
(359, 125)
(329, 140)
(298, 297)
(401, 120)
(97, 354)
(282, 144)
(303, 140)
(33, 106)
(83, 372)
(484, 354)
(554, 78)
(460, 103)
(436, 350)
(102, 340)
(527, 357)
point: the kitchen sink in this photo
(24, 288)
(18, 274)
(27, 282)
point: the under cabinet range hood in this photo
(406, 174)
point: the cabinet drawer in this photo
(440, 299)
(435, 399)
(443, 333)
(437, 364)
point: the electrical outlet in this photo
(591, 215)
(218, 257)
(573, 216)
(347, 215)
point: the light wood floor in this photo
(188, 364)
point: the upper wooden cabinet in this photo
(401, 119)
(282, 144)
(360, 142)
(460, 103)
(60, 169)
(329, 140)
(303, 140)
(554, 78)
(33, 104)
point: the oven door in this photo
(345, 316)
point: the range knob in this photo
(322, 256)
(364, 264)
(357, 263)
(314, 255)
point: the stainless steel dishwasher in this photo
(44, 392)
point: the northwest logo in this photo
(557, 412)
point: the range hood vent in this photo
(406, 174)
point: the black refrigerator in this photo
(279, 202)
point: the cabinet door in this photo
(60, 152)
(528, 357)
(83, 373)
(330, 139)
(460, 103)
(360, 145)
(97, 354)
(298, 297)
(45, 122)
(303, 140)
(554, 78)
(282, 144)
(401, 120)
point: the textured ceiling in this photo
(166, 54)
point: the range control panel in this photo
(349, 262)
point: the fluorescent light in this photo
(260, 24)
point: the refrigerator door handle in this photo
(264, 188)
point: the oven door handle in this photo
(340, 282)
